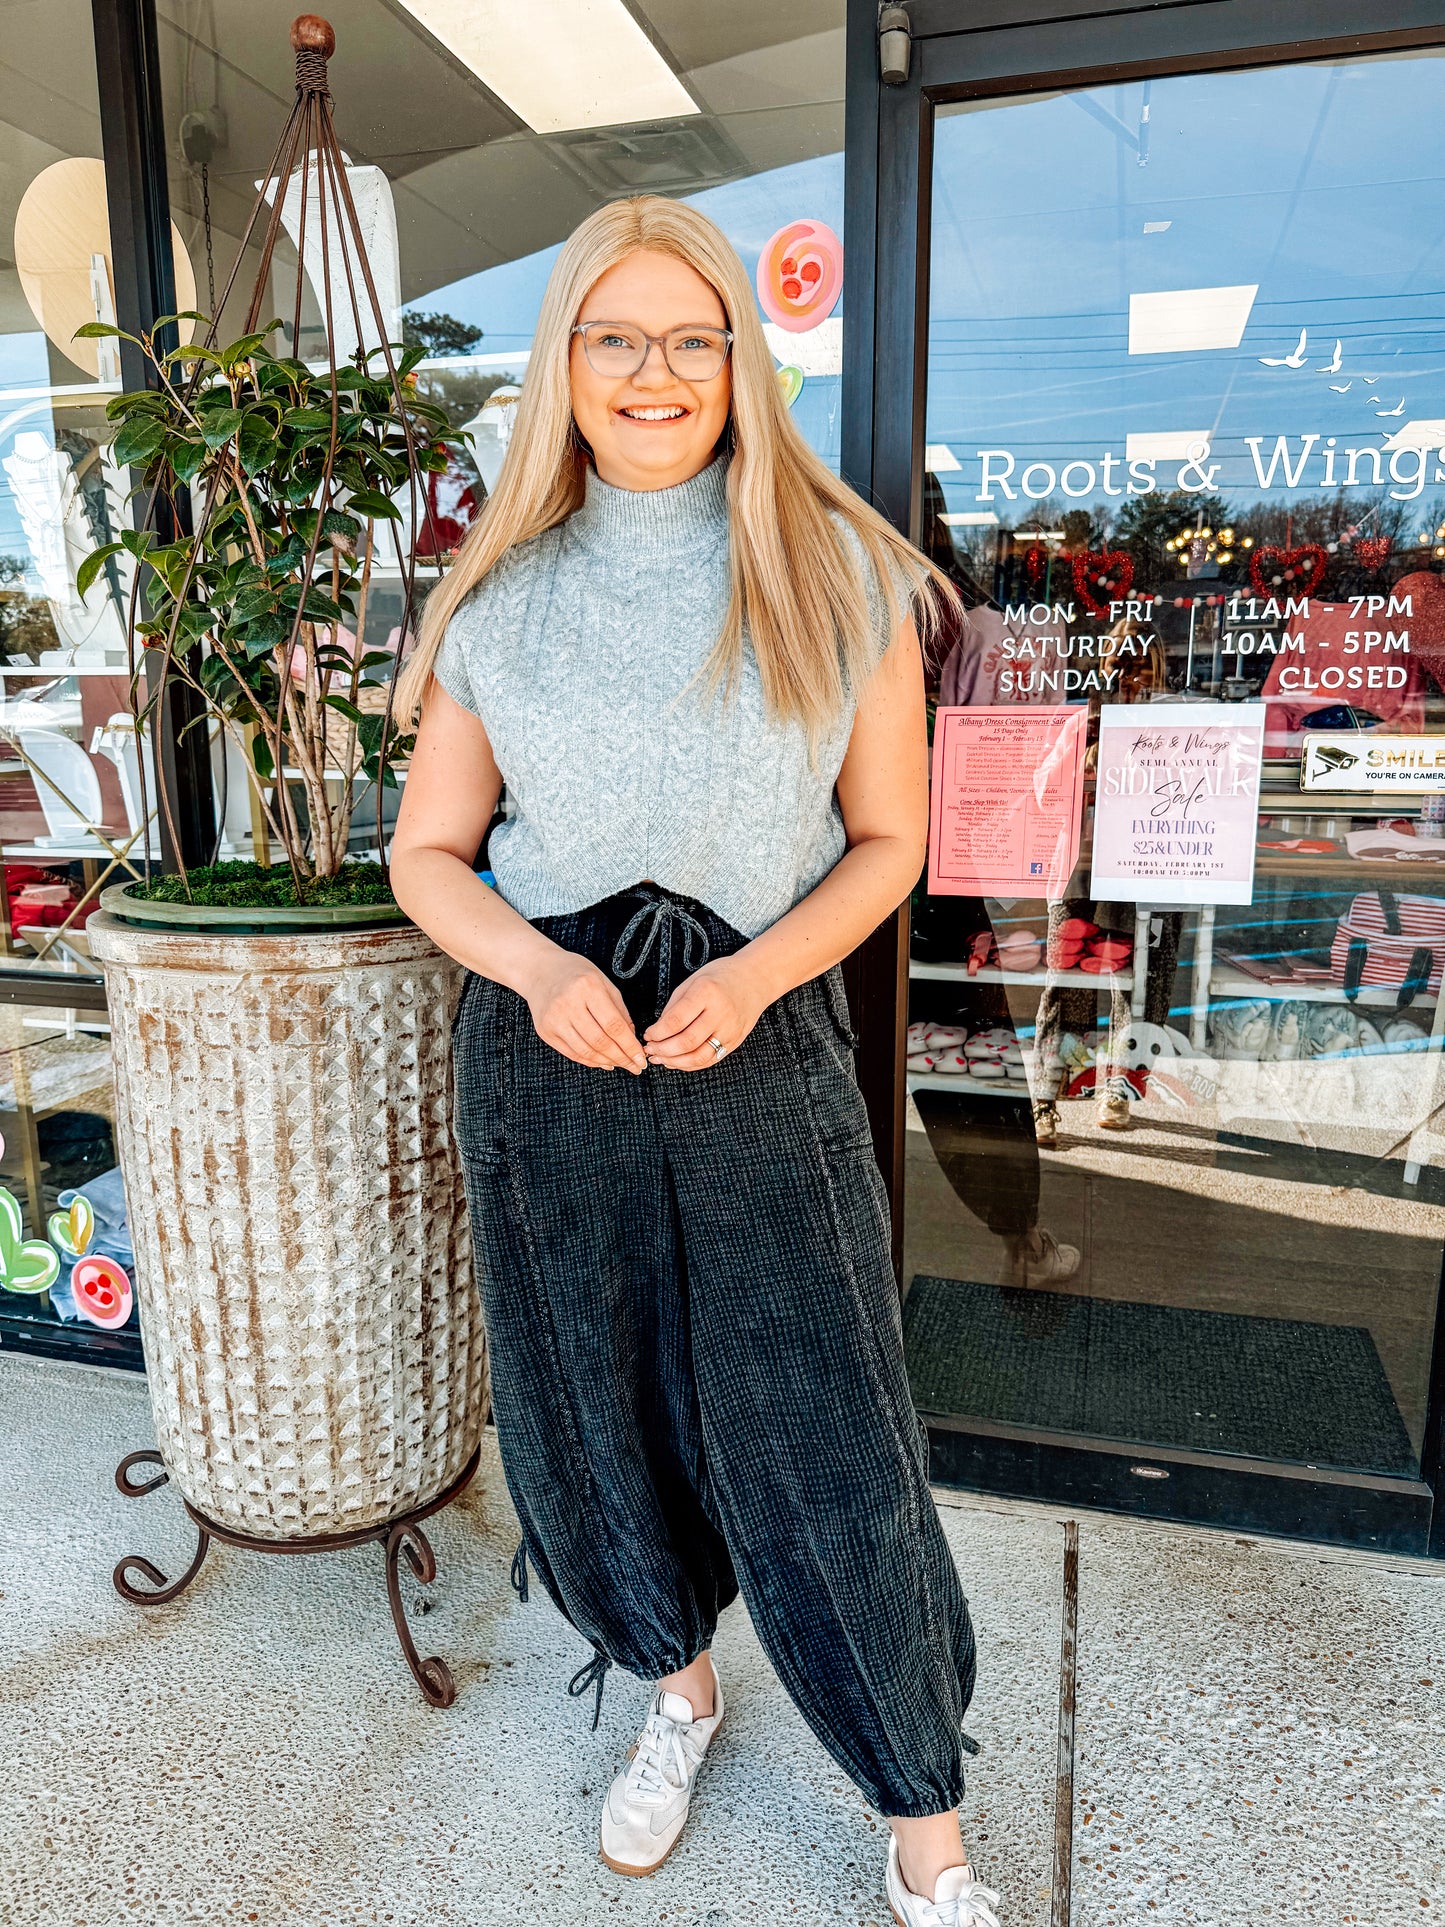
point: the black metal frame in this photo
(966, 49)
(133, 139)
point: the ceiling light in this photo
(1179, 321)
(559, 64)
(982, 519)
(939, 458)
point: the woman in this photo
(682, 646)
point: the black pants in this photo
(697, 1361)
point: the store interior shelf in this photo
(1382, 997)
(963, 1086)
(991, 974)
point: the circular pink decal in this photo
(800, 275)
(102, 1291)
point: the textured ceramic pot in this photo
(312, 1333)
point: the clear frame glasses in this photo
(619, 349)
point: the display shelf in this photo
(965, 1086)
(1381, 997)
(991, 974)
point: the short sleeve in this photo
(450, 668)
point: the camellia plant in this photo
(288, 476)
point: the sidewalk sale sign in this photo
(1177, 802)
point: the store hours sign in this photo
(1177, 802)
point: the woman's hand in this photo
(723, 1000)
(580, 1013)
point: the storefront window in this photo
(1174, 1174)
(71, 810)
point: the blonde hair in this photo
(798, 591)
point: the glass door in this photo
(1174, 1145)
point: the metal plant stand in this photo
(402, 1537)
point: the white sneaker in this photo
(958, 1900)
(646, 1805)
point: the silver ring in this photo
(720, 1048)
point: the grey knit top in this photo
(581, 651)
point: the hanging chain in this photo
(210, 254)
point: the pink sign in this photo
(1006, 801)
(1177, 802)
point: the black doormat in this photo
(1204, 1381)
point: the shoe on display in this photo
(1114, 1113)
(959, 1900)
(936, 1037)
(647, 1804)
(1046, 1125)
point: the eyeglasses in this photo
(620, 348)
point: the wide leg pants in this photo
(697, 1360)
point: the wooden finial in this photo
(311, 34)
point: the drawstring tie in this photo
(657, 914)
(519, 1572)
(594, 1673)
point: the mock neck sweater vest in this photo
(581, 652)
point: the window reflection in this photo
(1174, 1171)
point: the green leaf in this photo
(138, 541)
(256, 444)
(265, 634)
(254, 602)
(187, 459)
(220, 424)
(241, 350)
(370, 502)
(138, 441)
(193, 351)
(104, 331)
(148, 401)
(91, 567)
(320, 608)
(345, 708)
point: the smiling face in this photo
(650, 429)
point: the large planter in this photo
(312, 1333)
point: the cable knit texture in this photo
(581, 651)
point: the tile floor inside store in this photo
(1261, 1727)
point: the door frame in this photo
(976, 49)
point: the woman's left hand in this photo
(723, 1000)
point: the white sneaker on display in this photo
(647, 1804)
(958, 1900)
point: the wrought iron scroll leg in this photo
(158, 1589)
(433, 1675)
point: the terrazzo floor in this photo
(1261, 1730)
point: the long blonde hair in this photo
(798, 592)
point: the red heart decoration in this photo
(1373, 549)
(1287, 572)
(1106, 573)
(1036, 561)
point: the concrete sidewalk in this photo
(1261, 1728)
